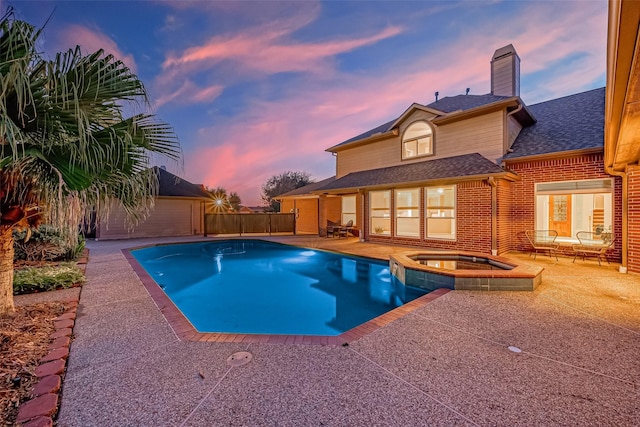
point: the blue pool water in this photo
(257, 287)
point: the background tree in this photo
(280, 184)
(234, 201)
(66, 146)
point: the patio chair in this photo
(543, 241)
(346, 229)
(333, 228)
(593, 244)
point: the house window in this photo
(572, 206)
(349, 209)
(417, 140)
(441, 212)
(408, 212)
(380, 212)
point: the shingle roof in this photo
(451, 167)
(380, 129)
(447, 104)
(174, 186)
(570, 123)
(307, 189)
(464, 102)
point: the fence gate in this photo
(236, 223)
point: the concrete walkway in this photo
(445, 364)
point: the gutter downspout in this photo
(494, 215)
(625, 209)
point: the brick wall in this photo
(522, 216)
(633, 189)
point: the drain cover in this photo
(240, 358)
(514, 349)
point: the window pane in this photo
(380, 212)
(417, 130)
(408, 212)
(349, 209)
(410, 149)
(441, 212)
(424, 146)
(570, 213)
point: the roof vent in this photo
(436, 94)
(467, 91)
(505, 72)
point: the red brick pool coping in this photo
(185, 331)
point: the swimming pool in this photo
(259, 287)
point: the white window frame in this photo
(439, 213)
(417, 140)
(401, 211)
(383, 215)
(347, 215)
(574, 188)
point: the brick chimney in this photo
(505, 72)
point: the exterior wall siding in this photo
(633, 218)
(483, 134)
(170, 217)
(522, 216)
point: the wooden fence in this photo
(236, 223)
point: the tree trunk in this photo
(6, 271)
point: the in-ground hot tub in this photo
(432, 270)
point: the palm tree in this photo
(66, 145)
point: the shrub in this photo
(47, 278)
(46, 243)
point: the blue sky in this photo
(256, 88)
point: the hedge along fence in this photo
(236, 223)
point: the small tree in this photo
(283, 183)
(234, 201)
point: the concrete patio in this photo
(445, 364)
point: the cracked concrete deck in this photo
(444, 364)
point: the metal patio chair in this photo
(593, 244)
(543, 241)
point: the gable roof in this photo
(307, 189)
(447, 104)
(574, 122)
(171, 185)
(464, 166)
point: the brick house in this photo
(474, 172)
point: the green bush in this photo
(46, 243)
(47, 278)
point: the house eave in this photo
(373, 138)
(556, 155)
(509, 176)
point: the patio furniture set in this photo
(589, 244)
(337, 230)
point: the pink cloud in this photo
(91, 41)
(189, 93)
(266, 52)
(263, 49)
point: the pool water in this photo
(257, 287)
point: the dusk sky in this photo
(254, 89)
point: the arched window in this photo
(417, 140)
